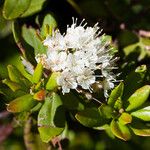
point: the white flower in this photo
(92, 60)
(78, 55)
(67, 81)
(56, 61)
(42, 58)
(73, 36)
(28, 66)
(55, 42)
(86, 79)
(74, 63)
(107, 85)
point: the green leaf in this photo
(23, 103)
(16, 31)
(119, 130)
(118, 104)
(14, 8)
(47, 133)
(30, 36)
(51, 118)
(140, 128)
(40, 95)
(90, 117)
(12, 85)
(36, 107)
(115, 94)
(136, 78)
(16, 76)
(44, 116)
(125, 118)
(141, 46)
(71, 102)
(141, 69)
(37, 73)
(5, 26)
(52, 81)
(58, 113)
(106, 111)
(9, 94)
(15, 61)
(34, 7)
(107, 129)
(126, 37)
(143, 114)
(145, 41)
(141, 132)
(106, 38)
(138, 97)
(49, 23)
(39, 85)
(131, 48)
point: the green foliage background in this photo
(128, 23)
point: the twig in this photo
(55, 141)
(21, 48)
(28, 136)
(4, 114)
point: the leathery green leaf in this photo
(106, 111)
(90, 117)
(47, 133)
(16, 31)
(58, 113)
(49, 24)
(34, 7)
(107, 129)
(30, 36)
(52, 81)
(118, 104)
(44, 116)
(36, 107)
(136, 77)
(12, 85)
(20, 104)
(16, 76)
(51, 118)
(9, 94)
(143, 114)
(71, 102)
(40, 95)
(125, 118)
(141, 132)
(119, 130)
(138, 98)
(130, 48)
(37, 73)
(140, 128)
(14, 8)
(115, 94)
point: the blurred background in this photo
(128, 24)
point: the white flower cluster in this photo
(77, 54)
